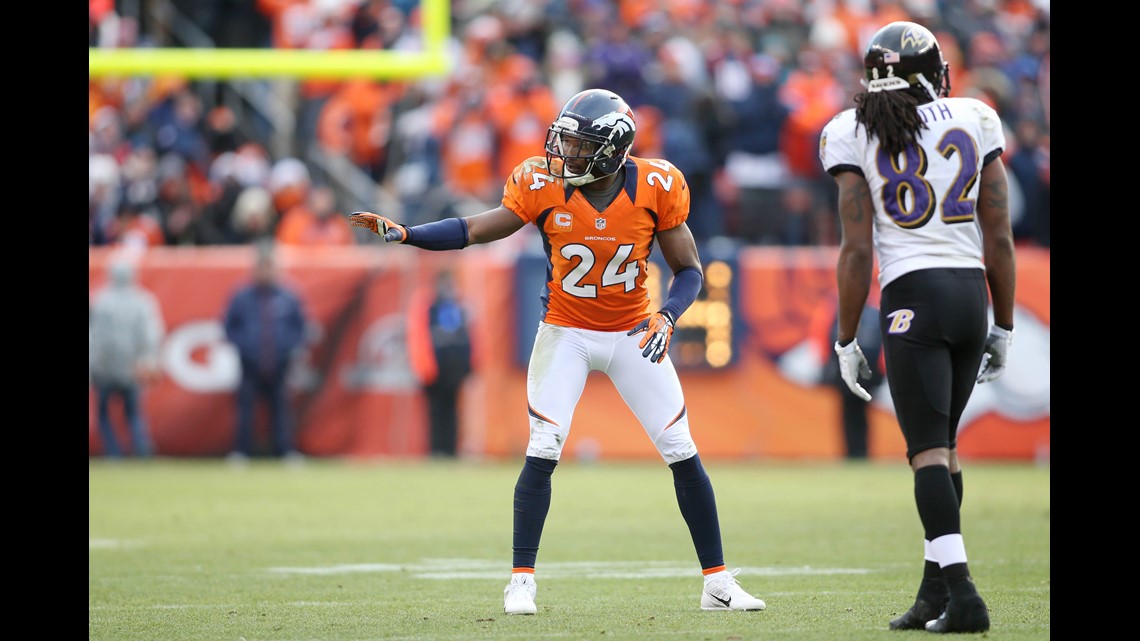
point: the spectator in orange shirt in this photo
(862, 19)
(465, 123)
(356, 123)
(275, 10)
(521, 113)
(316, 222)
(462, 126)
(488, 59)
(814, 95)
(319, 25)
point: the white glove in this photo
(852, 366)
(997, 348)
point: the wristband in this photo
(1001, 332)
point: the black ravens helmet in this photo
(591, 138)
(903, 55)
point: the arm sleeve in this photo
(686, 285)
(441, 235)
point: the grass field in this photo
(340, 550)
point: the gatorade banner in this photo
(354, 394)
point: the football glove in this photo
(994, 356)
(379, 225)
(658, 330)
(853, 365)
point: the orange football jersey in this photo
(597, 260)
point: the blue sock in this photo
(698, 506)
(532, 502)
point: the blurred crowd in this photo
(734, 92)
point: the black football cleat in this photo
(917, 616)
(963, 616)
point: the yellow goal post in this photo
(432, 60)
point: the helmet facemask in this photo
(580, 157)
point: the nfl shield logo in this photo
(600, 223)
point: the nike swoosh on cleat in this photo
(727, 603)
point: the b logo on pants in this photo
(900, 321)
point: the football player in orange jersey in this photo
(599, 212)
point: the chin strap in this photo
(586, 179)
(926, 84)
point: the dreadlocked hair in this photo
(891, 116)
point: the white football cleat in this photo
(722, 592)
(518, 596)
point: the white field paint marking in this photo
(336, 604)
(199, 606)
(110, 544)
(449, 569)
(342, 569)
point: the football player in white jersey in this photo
(922, 185)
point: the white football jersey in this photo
(925, 199)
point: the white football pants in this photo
(561, 360)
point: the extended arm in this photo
(441, 235)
